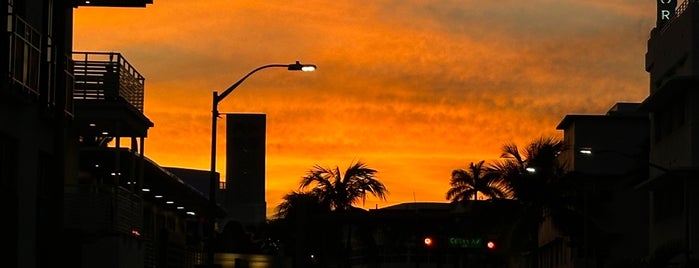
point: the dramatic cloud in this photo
(415, 88)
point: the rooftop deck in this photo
(108, 96)
(107, 76)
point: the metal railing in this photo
(70, 86)
(107, 76)
(103, 209)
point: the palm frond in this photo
(340, 190)
(477, 179)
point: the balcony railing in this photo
(103, 210)
(107, 76)
(25, 54)
(70, 87)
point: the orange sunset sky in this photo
(413, 88)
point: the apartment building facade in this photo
(36, 139)
(77, 188)
(666, 152)
(606, 156)
(672, 61)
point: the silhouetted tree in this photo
(302, 215)
(340, 190)
(538, 181)
(533, 173)
(297, 204)
(467, 183)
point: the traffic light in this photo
(428, 241)
(490, 245)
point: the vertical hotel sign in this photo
(666, 10)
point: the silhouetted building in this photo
(607, 157)
(467, 234)
(37, 143)
(123, 209)
(156, 222)
(670, 166)
(76, 185)
(105, 196)
(422, 234)
(244, 195)
(673, 102)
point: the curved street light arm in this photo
(225, 93)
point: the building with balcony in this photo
(604, 149)
(76, 186)
(673, 103)
(127, 210)
(38, 147)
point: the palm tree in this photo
(303, 230)
(340, 190)
(533, 171)
(296, 203)
(466, 184)
(538, 181)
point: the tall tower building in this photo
(245, 168)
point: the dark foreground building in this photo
(36, 110)
(673, 104)
(76, 186)
(407, 235)
(639, 163)
(606, 156)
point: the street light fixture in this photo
(585, 150)
(213, 183)
(589, 152)
(302, 67)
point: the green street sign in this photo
(460, 242)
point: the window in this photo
(25, 51)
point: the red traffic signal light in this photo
(428, 241)
(490, 245)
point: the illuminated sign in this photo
(666, 10)
(458, 242)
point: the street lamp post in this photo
(213, 182)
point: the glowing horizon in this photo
(415, 89)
